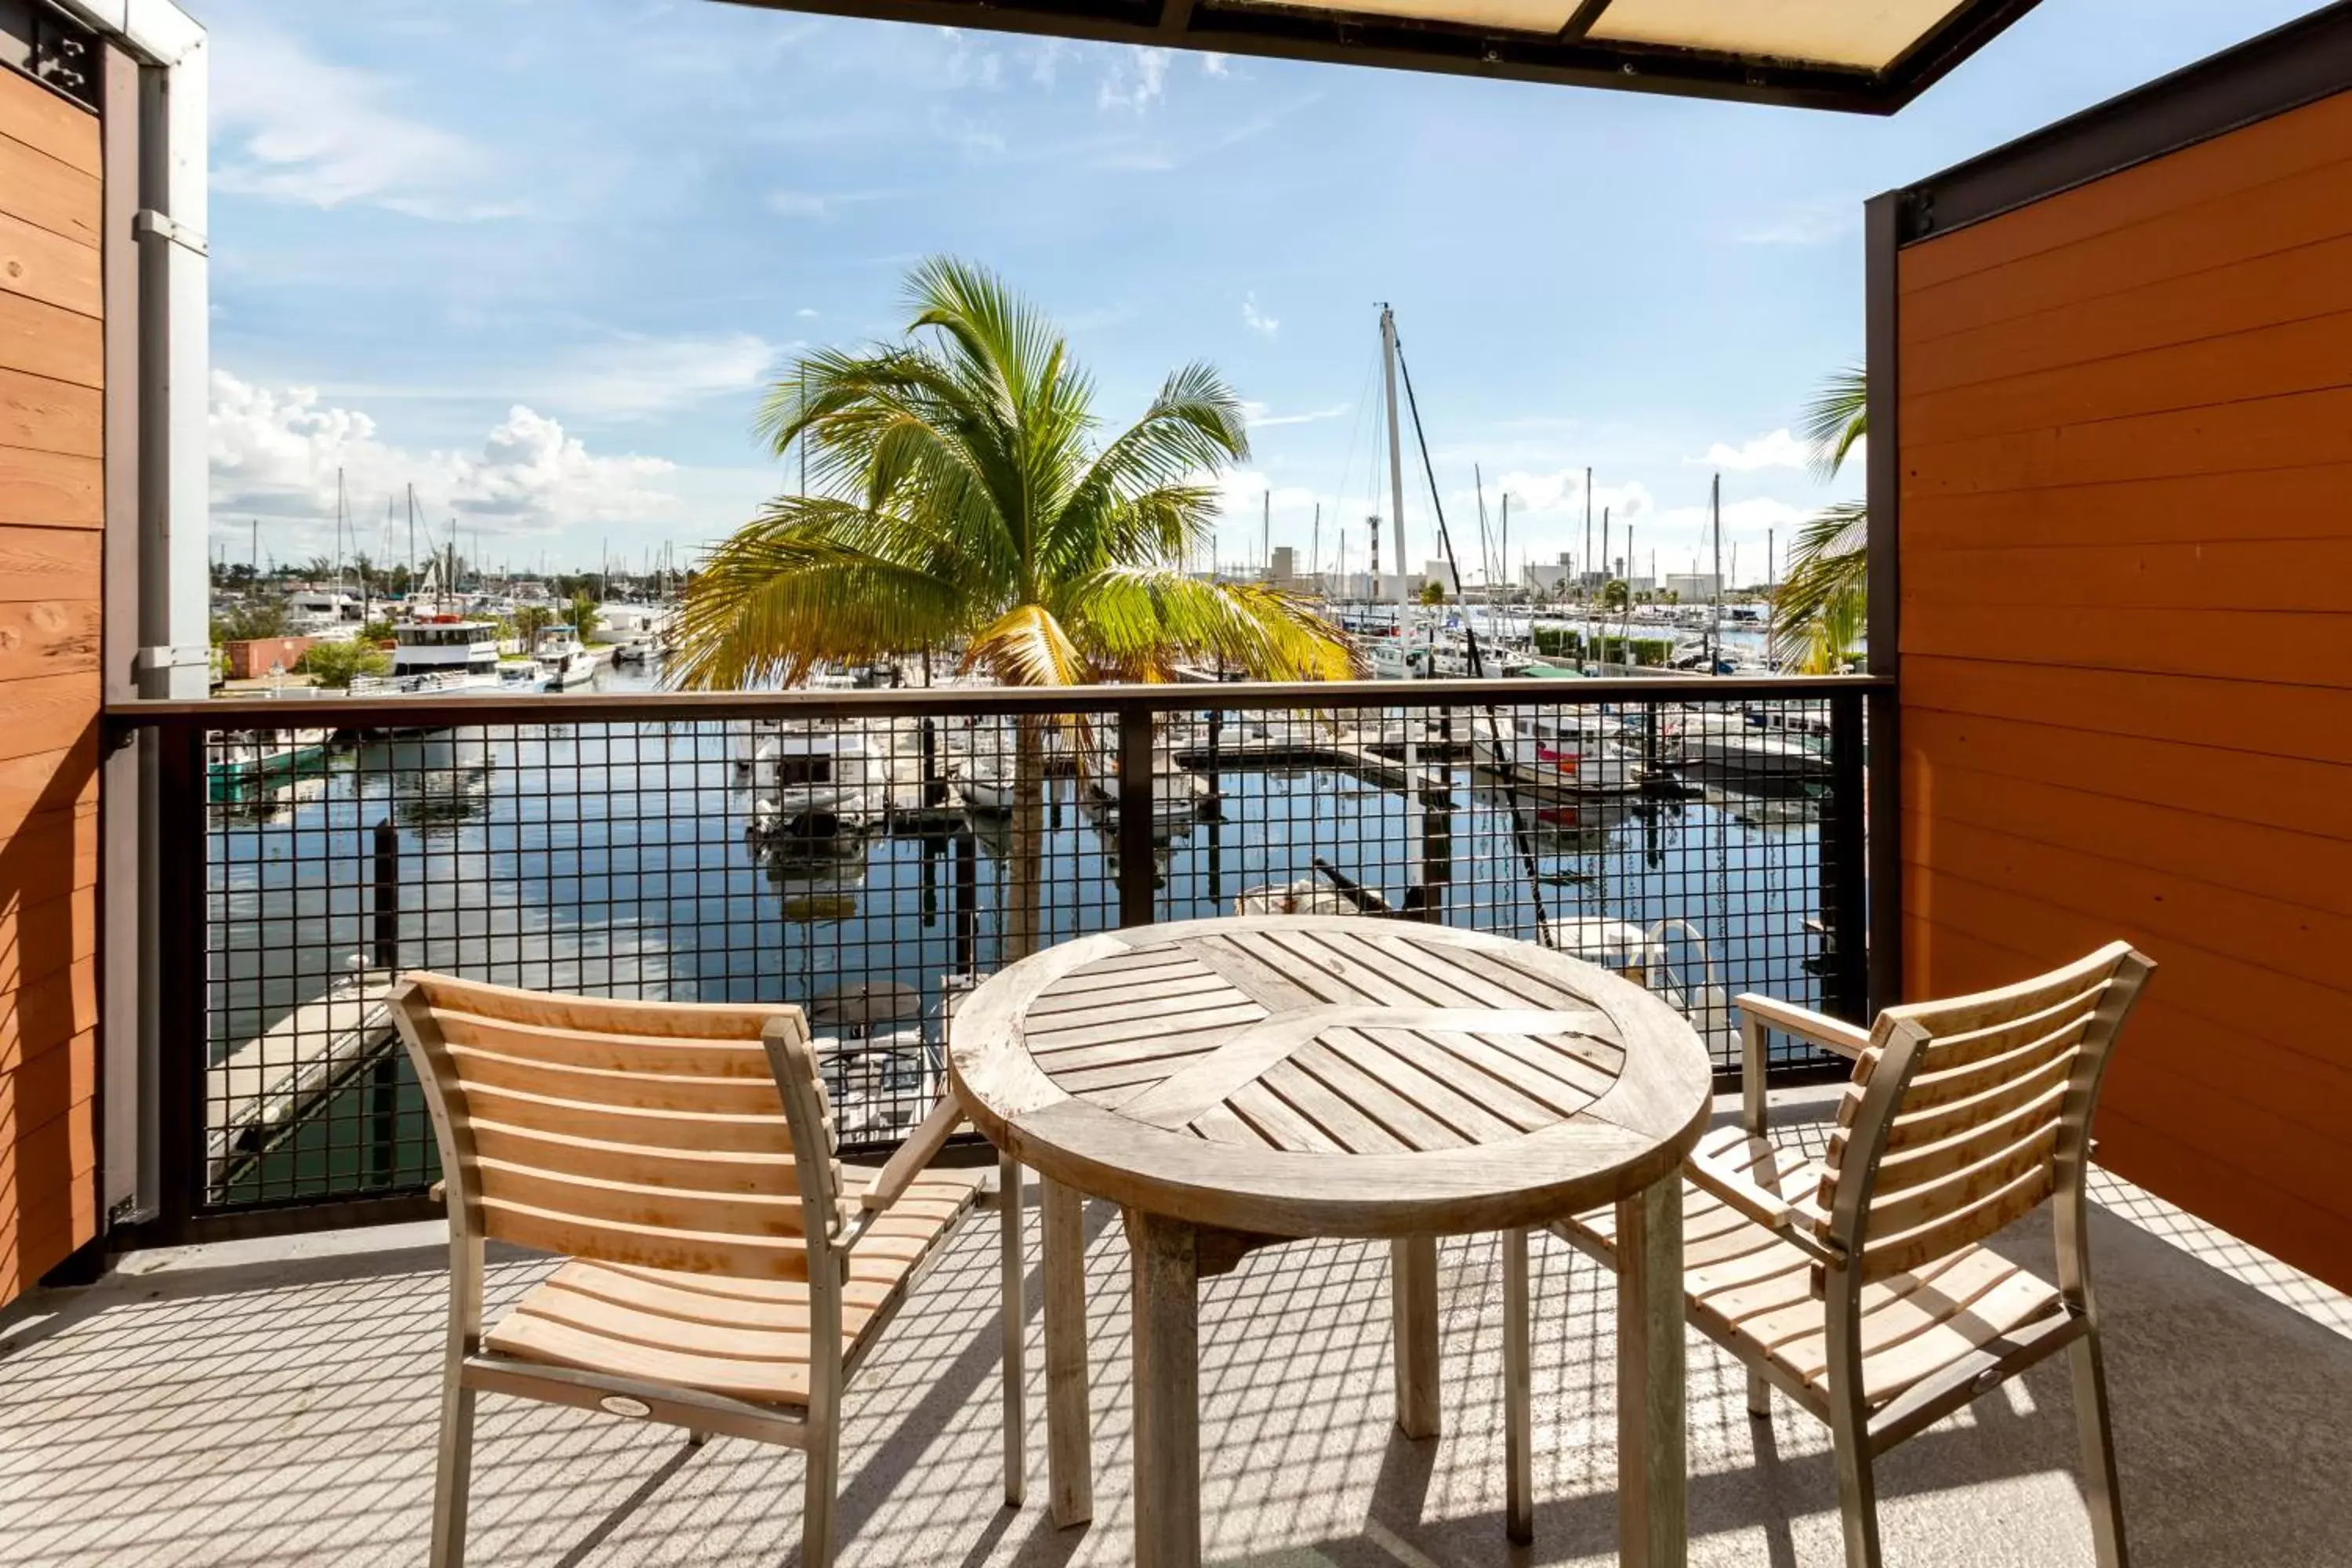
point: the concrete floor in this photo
(275, 1404)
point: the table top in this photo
(1331, 1076)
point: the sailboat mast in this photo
(1396, 467)
(1714, 605)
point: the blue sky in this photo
(539, 257)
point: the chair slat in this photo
(684, 1020)
(613, 1241)
(602, 1200)
(1958, 1050)
(1957, 1228)
(602, 1086)
(698, 1168)
(687, 1130)
(1954, 1192)
(673, 1055)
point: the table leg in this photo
(1167, 1391)
(1013, 1269)
(1413, 1288)
(1653, 1521)
(1069, 1437)
(1518, 1392)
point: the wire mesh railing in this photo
(870, 856)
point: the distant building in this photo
(1544, 576)
(1285, 565)
(1439, 572)
(1694, 587)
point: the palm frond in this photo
(1141, 622)
(1829, 562)
(1837, 419)
(792, 589)
(1027, 646)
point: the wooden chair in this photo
(682, 1158)
(1855, 1283)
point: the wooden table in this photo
(1234, 1083)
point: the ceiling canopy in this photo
(1871, 56)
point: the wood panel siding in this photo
(51, 517)
(2125, 545)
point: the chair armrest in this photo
(921, 1147)
(1818, 1029)
(1792, 1221)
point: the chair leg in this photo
(823, 1484)
(1759, 1396)
(2101, 1489)
(695, 1439)
(1857, 1493)
(1016, 1314)
(453, 1473)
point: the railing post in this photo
(177, 857)
(384, 897)
(1846, 882)
(1135, 809)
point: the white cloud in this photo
(1257, 321)
(1259, 416)
(635, 376)
(1777, 450)
(806, 313)
(287, 126)
(1214, 64)
(276, 454)
(1820, 221)
(1134, 79)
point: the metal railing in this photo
(870, 855)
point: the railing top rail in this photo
(578, 708)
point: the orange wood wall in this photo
(51, 518)
(2125, 418)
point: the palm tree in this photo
(959, 496)
(1828, 565)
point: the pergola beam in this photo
(1568, 57)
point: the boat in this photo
(810, 779)
(563, 660)
(1179, 797)
(1645, 955)
(435, 655)
(243, 759)
(1734, 749)
(1553, 752)
(1331, 891)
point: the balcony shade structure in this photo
(1871, 57)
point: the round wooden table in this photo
(1234, 1083)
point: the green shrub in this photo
(335, 663)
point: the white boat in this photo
(1733, 748)
(1646, 957)
(1554, 751)
(881, 1084)
(1178, 797)
(1396, 658)
(805, 775)
(435, 656)
(563, 660)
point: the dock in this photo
(262, 1088)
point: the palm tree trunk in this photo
(1023, 901)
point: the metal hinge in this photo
(149, 224)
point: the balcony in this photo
(266, 1389)
(275, 1401)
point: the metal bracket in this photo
(151, 659)
(149, 224)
